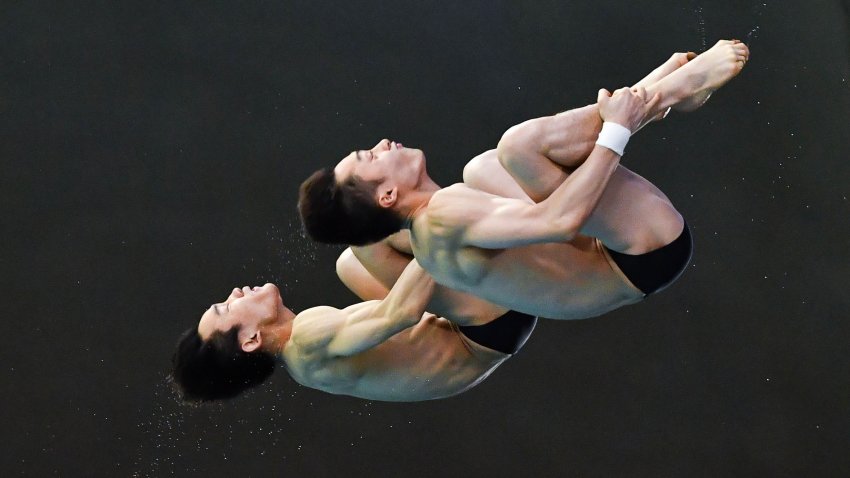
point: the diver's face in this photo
(248, 307)
(387, 163)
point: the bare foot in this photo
(675, 62)
(697, 80)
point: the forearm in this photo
(572, 203)
(575, 199)
(408, 298)
(367, 325)
(372, 262)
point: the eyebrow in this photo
(215, 309)
(357, 155)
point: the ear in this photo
(388, 197)
(252, 343)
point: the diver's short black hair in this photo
(217, 368)
(344, 212)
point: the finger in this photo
(641, 92)
(603, 96)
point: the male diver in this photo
(386, 348)
(391, 349)
(568, 234)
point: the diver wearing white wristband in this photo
(614, 137)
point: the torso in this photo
(427, 361)
(572, 280)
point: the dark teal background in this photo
(151, 153)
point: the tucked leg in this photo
(540, 152)
(355, 276)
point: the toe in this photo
(679, 58)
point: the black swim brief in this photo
(657, 269)
(506, 334)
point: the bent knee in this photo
(477, 169)
(346, 264)
(511, 142)
(519, 141)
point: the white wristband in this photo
(614, 137)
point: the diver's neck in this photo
(428, 185)
(276, 336)
(417, 202)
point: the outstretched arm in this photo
(362, 326)
(492, 222)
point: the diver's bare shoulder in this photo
(439, 236)
(474, 218)
(451, 209)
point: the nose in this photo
(259, 288)
(383, 145)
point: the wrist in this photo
(614, 136)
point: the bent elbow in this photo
(551, 225)
(568, 226)
(404, 319)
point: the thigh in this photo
(633, 216)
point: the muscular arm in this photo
(362, 326)
(490, 222)
(383, 263)
(493, 222)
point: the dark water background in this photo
(150, 157)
